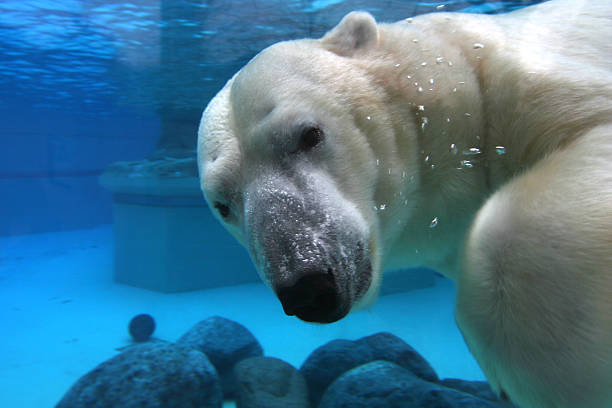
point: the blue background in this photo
(86, 83)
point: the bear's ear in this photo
(356, 32)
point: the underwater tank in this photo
(103, 219)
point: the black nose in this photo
(313, 298)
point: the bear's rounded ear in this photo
(356, 32)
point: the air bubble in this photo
(467, 115)
(424, 63)
(440, 7)
(454, 89)
(439, 60)
(420, 89)
(500, 150)
(415, 40)
(433, 223)
(424, 122)
(478, 46)
(448, 120)
(471, 151)
(383, 207)
(368, 117)
(453, 148)
(409, 20)
(421, 107)
(467, 164)
(397, 65)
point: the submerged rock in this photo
(333, 359)
(141, 327)
(330, 361)
(389, 347)
(480, 389)
(225, 342)
(152, 375)
(382, 384)
(267, 382)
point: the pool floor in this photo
(62, 314)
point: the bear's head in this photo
(299, 159)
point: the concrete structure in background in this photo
(165, 237)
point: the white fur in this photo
(477, 145)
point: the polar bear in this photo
(477, 145)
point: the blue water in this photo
(87, 83)
(84, 84)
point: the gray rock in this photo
(480, 389)
(267, 382)
(333, 359)
(152, 375)
(225, 342)
(382, 384)
(388, 347)
(330, 361)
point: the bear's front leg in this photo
(534, 299)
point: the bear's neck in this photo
(478, 102)
(435, 105)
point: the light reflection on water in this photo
(162, 54)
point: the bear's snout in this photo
(313, 298)
(309, 244)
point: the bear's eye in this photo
(223, 209)
(310, 137)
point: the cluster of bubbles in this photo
(471, 154)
